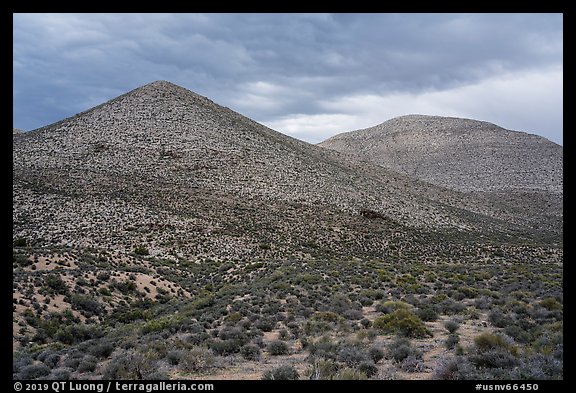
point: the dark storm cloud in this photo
(307, 75)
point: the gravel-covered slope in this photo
(165, 167)
(461, 154)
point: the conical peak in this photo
(164, 86)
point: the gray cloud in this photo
(306, 75)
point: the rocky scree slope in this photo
(461, 154)
(165, 167)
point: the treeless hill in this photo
(164, 166)
(461, 154)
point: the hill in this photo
(461, 154)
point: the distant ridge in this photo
(461, 154)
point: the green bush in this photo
(56, 284)
(20, 242)
(85, 304)
(250, 352)
(225, 347)
(102, 350)
(323, 369)
(490, 341)
(451, 326)
(451, 341)
(141, 250)
(499, 319)
(34, 371)
(427, 314)
(351, 355)
(368, 368)
(403, 322)
(376, 354)
(282, 373)
(401, 348)
(494, 359)
(173, 357)
(277, 347)
(87, 364)
(130, 365)
(551, 304)
(197, 359)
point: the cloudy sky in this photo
(308, 76)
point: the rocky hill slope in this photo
(164, 166)
(461, 154)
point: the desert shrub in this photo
(403, 322)
(323, 369)
(277, 347)
(391, 306)
(34, 371)
(55, 284)
(551, 304)
(368, 368)
(323, 348)
(455, 369)
(167, 323)
(250, 352)
(61, 374)
(483, 303)
(20, 242)
(498, 319)
(400, 348)
(49, 358)
(366, 323)
(451, 326)
(86, 305)
(265, 325)
(87, 364)
(283, 334)
(102, 350)
(497, 358)
(197, 359)
(157, 376)
(351, 355)
(539, 367)
(489, 341)
(73, 360)
(20, 360)
(282, 373)
(450, 307)
(452, 341)
(141, 250)
(233, 318)
(235, 333)
(173, 357)
(519, 334)
(225, 347)
(103, 276)
(376, 354)
(77, 333)
(130, 365)
(427, 314)
(353, 315)
(412, 364)
(349, 374)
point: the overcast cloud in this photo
(309, 76)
